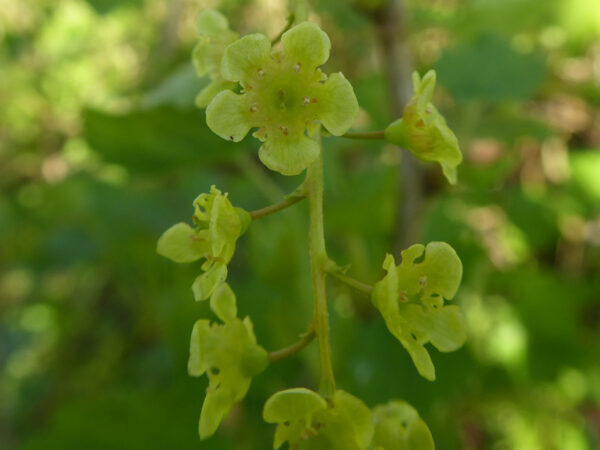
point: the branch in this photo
(374, 135)
(352, 282)
(289, 201)
(292, 349)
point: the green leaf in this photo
(205, 284)
(423, 130)
(223, 353)
(222, 302)
(306, 43)
(495, 71)
(399, 427)
(292, 404)
(411, 300)
(307, 421)
(182, 244)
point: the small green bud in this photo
(423, 130)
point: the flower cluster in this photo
(284, 95)
(218, 226)
(307, 421)
(423, 130)
(411, 300)
(228, 354)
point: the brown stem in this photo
(397, 61)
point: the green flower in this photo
(228, 354)
(423, 130)
(399, 427)
(411, 300)
(218, 226)
(214, 35)
(284, 94)
(306, 421)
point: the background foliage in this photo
(101, 149)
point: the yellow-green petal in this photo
(292, 404)
(211, 90)
(210, 22)
(243, 58)
(227, 115)
(399, 427)
(337, 104)
(205, 284)
(182, 244)
(306, 44)
(288, 155)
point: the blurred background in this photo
(102, 149)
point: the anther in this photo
(261, 74)
(423, 281)
(306, 101)
(403, 297)
(285, 130)
(254, 108)
(297, 67)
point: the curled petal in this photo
(244, 57)
(227, 115)
(306, 44)
(338, 106)
(288, 155)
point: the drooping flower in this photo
(228, 354)
(307, 421)
(411, 300)
(423, 130)
(214, 36)
(284, 95)
(218, 226)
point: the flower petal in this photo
(337, 104)
(227, 115)
(211, 90)
(244, 57)
(288, 155)
(183, 244)
(306, 44)
(210, 22)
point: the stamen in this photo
(254, 108)
(285, 130)
(423, 281)
(261, 74)
(297, 67)
(306, 101)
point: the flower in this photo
(214, 35)
(218, 226)
(411, 300)
(284, 94)
(423, 130)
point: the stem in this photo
(374, 135)
(292, 349)
(352, 282)
(292, 200)
(318, 262)
(290, 22)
